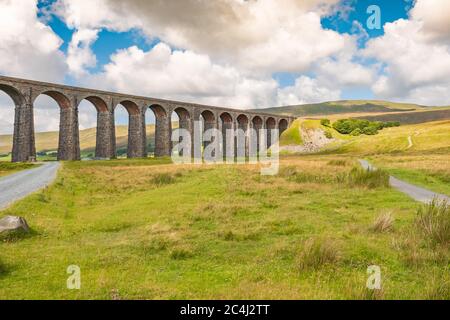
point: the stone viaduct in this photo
(24, 93)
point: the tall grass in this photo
(316, 253)
(161, 179)
(370, 179)
(433, 220)
(383, 223)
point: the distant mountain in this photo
(343, 106)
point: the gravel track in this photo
(18, 185)
(415, 192)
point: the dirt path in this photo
(18, 185)
(415, 192)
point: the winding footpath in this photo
(415, 192)
(18, 185)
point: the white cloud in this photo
(261, 36)
(416, 56)
(306, 90)
(79, 53)
(182, 75)
(434, 14)
(28, 48)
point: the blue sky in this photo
(109, 42)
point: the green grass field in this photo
(146, 229)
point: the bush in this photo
(328, 134)
(370, 130)
(346, 126)
(356, 132)
(325, 122)
(367, 178)
(356, 127)
(316, 253)
(433, 221)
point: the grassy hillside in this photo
(223, 232)
(431, 137)
(344, 106)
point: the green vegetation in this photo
(325, 122)
(356, 127)
(147, 229)
(292, 135)
(433, 220)
(8, 168)
(367, 178)
(316, 253)
(430, 137)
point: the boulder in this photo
(12, 223)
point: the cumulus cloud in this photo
(181, 75)
(306, 90)
(434, 17)
(28, 48)
(79, 53)
(263, 36)
(416, 56)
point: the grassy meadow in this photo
(147, 229)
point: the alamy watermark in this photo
(227, 145)
(374, 279)
(74, 280)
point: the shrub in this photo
(356, 132)
(161, 179)
(325, 122)
(346, 126)
(367, 178)
(328, 134)
(316, 253)
(383, 223)
(370, 130)
(433, 221)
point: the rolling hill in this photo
(48, 141)
(344, 106)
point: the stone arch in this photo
(242, 122)
(22, 136)
(209, 122)
(184, 122)
(226, 123)
(271, 124)
(68, 137)
(104, 144)
(160, 143)
(257, 125)
(282, 125)
(136, 142)
(13, 93)
(98, 102)
(61, 99)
